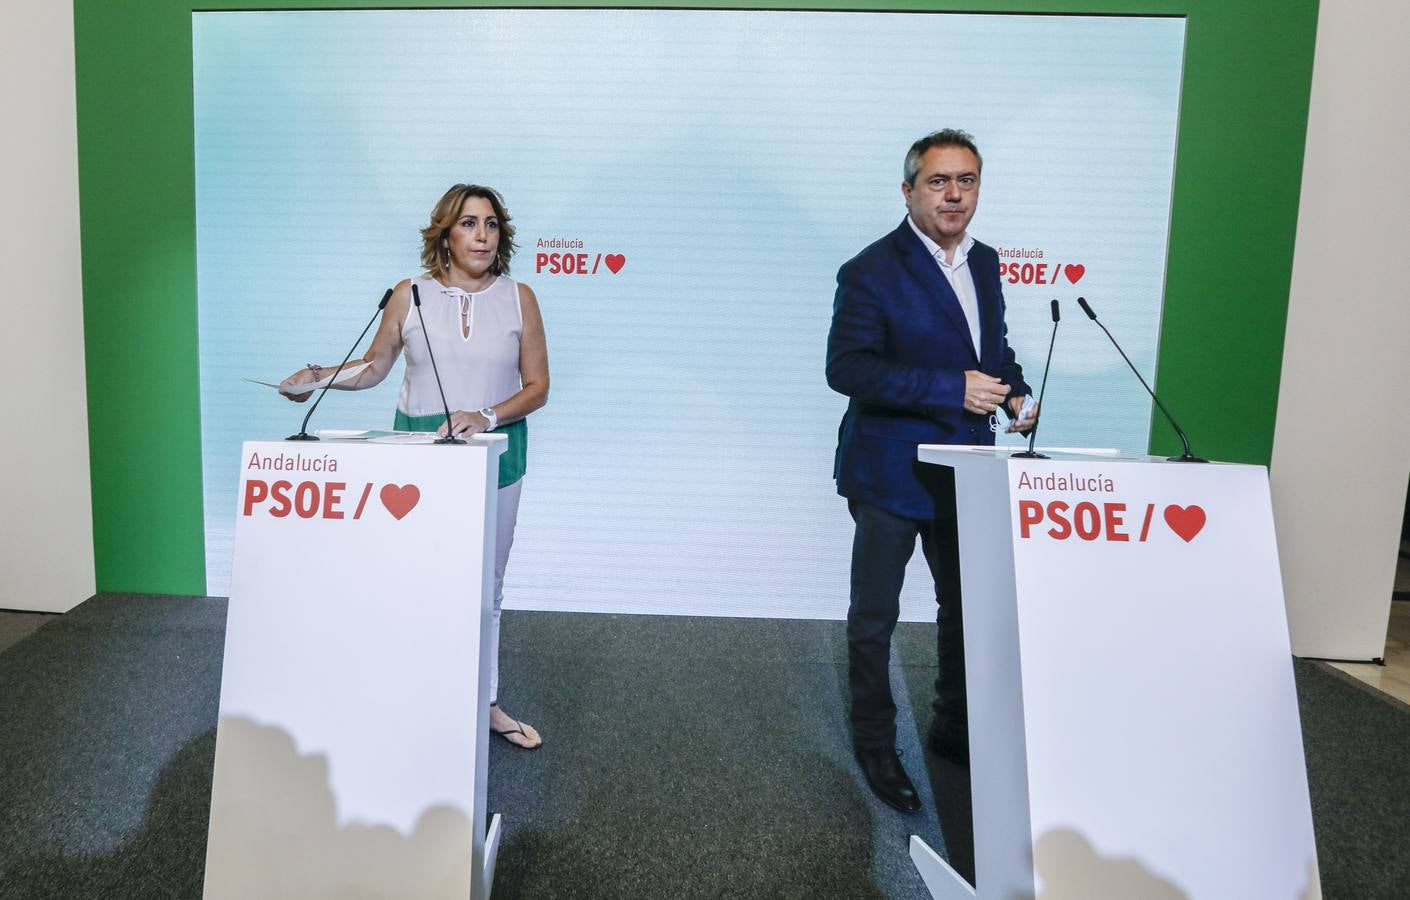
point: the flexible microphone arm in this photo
(450, 438)
(303, 434)
(1030, 453)
(1187, 456)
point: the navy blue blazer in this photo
(899, 347)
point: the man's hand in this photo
(1014, 404)
(983, 393)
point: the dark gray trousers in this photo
(882, 545)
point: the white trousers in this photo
(505, 518)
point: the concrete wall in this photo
(46, 515)
(1341, 451)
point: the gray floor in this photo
(16, 626)
(684, 757)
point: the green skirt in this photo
(512, 461)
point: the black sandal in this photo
(519, 730)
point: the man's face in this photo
(945, 194)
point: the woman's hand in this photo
(464, 424)
(306, 375)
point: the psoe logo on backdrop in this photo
(314, 498)
(569, 256)
(1031, 265)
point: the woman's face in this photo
(473, 240)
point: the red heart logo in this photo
(615, 261)
(1074, 272)
(1186, 521)
(400, 500)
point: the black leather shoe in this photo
(950, 742)
(887, 779)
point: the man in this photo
(918, 343)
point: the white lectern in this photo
(1134, 727)
(352, 742)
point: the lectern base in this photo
(943, 882)
(491, 851)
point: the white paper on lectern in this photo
(348, 434)
(405, 437)
(395, 437)
(377, 437)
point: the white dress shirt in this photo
(957, 273)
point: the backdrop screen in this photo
(685, 185)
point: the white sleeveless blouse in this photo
(478, 370)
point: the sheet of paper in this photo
(348, 372)
(350, 434)
(380, 437)
(406, 437)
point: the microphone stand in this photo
(450, 438)
(1030, 453)
(1187, 456)
(303, 434)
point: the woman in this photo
(488, 340)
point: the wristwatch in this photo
(488, 413)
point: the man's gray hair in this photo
(945, 137)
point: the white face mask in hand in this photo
(1030, 403)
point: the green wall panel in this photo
(1248, 68)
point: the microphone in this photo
(416, 300)
(1030, 453)
(1187, 456)
(303, 434)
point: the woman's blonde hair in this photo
(447, 212)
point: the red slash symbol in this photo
(1186, 521)
(362, 501)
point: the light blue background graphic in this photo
(736, 159)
